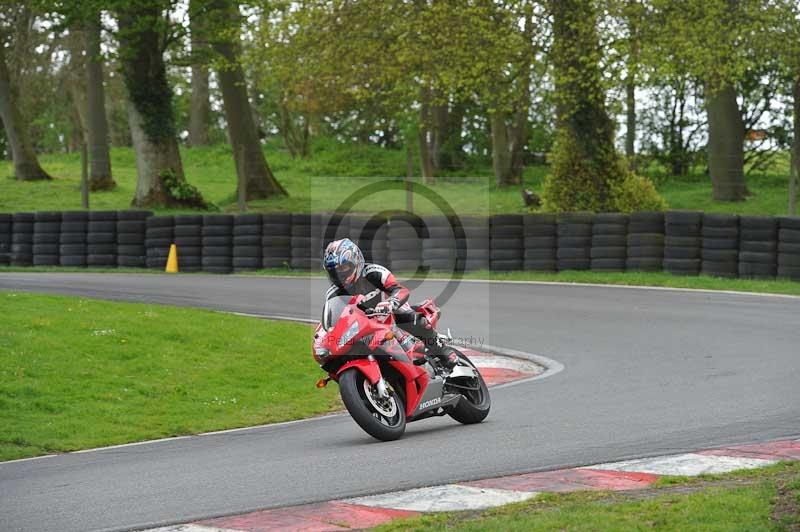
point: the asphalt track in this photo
(647, 372)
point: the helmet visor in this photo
(342, 273)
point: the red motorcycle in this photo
(385, 378)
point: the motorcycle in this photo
(385, 377)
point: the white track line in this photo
(687, 464)
(563, 283)
(445, 498)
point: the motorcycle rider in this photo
(350, 275)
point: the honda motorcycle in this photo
(385, 378)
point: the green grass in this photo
(666, 280)
(78, 373)
(334, 171)
(700, 282)
(765, 500)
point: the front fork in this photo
(371, 370)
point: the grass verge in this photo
(78, 373)
(657, 279)
(768, 499)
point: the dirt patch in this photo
(786, 508)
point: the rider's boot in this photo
(445, 354)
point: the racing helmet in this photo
(344, 262)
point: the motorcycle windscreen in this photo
(332, 311)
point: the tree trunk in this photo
(26, 165)
(425, 160)
(155, 161)
(425, 137)
(586, 165)
(794, 171)
(161, 181)
(725, 145)
(97, 126)
(630, 115)
(251, 165)
(199, 107)
(501, 152)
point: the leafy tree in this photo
(587, 173)
(26, 164)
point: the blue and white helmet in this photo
(344, 262)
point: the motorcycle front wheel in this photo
(381, 418)
(475, 402)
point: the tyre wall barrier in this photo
(131, 232)
(645, 242)
(276, 245)
(46, 238)
(217, 243)
(609, 251)
(506, 245)
(101, 239)
(758, 247)
(679, 242)
(72, 239)
(789, 248)
(158, 237)
(574, 241)
(540, 242)
(22, 239)
(248, 230)
(682, 242)
(6, 221)
(719, 253)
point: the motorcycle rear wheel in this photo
(353, 388)
(474, 405)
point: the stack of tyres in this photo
(682, 242)
(574, 242)
(332, 227)
(247, 251)
(5, 239)
(46, 238)
(609, 242)
(158, 238)
(22, 239)
(187, 235)
(758, 247)
(131, 231)
(406, 233)
(440, 250)
(789, 248)
(101, 239)
(305, 241)
(505, 242)
(72, 240)
(276, 241)
(720, 252)
(376, 231)
(217, 243)
(539, 236)
(645, 242)
(475, 244)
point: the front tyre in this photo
(384, 419)
(475, 402)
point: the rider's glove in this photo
(384, 307)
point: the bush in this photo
(636, 193)
(597, 182)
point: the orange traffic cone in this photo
(172, 260)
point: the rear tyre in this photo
(475, 404)
(384, 420)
